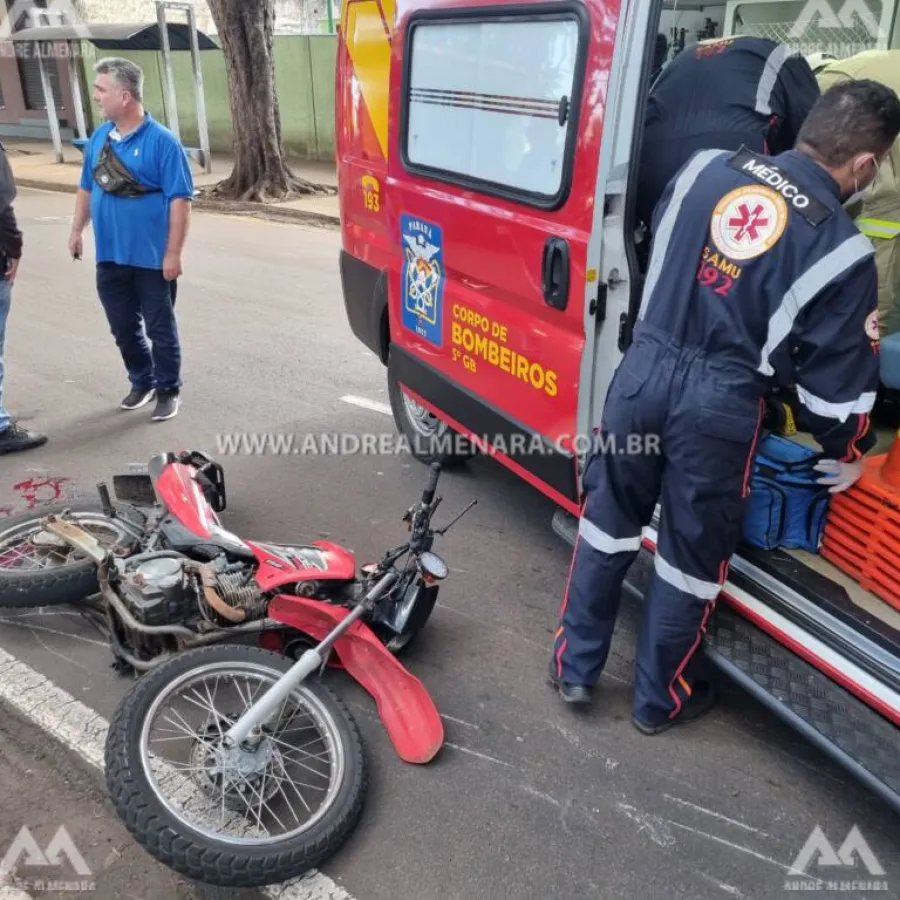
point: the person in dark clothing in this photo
(13, 438)
(721, 94)
(659, 57)
(758, 277)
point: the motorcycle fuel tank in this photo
(184, 499)
(318, 561)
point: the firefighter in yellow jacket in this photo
(879, 212)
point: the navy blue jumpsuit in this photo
(727, 93)
(758, 278)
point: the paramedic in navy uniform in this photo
(139, 240)
(723, 93)
(758, 277)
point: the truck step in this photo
(843, 727)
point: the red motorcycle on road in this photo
(258, 747)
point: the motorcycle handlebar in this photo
(428, 493)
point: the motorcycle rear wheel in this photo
(192, 848)
(32, 576)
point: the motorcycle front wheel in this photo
(38, 569)
(234, 817)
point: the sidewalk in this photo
(34, 165)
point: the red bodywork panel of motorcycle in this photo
(319, 561)
(184, 499)
(407, 711)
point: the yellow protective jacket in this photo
(879, 214)
(882, 66)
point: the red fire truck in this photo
(487, 171)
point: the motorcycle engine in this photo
(157, 591)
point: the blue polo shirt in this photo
(135, 231)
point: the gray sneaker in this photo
(138, 398)
(167, 403)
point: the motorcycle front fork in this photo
(249, 727)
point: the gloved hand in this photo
(839, 475)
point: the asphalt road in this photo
(527, 800)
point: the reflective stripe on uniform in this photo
(841, 411)
(663, 235)
(879, 228)
(769, 78)
(843, 258)
(606, 543)
(705, 590)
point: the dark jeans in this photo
(140, 304)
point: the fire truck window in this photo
(491, 105)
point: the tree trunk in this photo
(246, 33)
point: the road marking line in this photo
(734, 846)
(459, 721)
(84, 731)
(365, 403)
(483, 756)
(714, 814)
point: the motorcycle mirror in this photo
(446, 528)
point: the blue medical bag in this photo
(786, 507)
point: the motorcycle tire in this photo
(25, 588)
(199, 856)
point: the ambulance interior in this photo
(801, 24)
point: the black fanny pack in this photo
(115, 177)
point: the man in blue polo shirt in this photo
(136, 187)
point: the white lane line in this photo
(733, 846)
(714, 814)
(483, 756)
(84, 731)
(365, 403)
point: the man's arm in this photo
(179, 223)
(837, 363)
(82, 213)
(799, 93)
(177, 183)
(10, 242)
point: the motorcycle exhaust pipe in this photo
(122, 611)
(200, 640)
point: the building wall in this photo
(304, 76)
(16, 120)
(305, 68)
(291, 16)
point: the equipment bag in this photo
(786, 507)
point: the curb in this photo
(272, 212)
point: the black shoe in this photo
(137, 398)
(576, 694)
(702, 701)
(167, 403)
(14, 439)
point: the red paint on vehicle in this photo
(184, 499)
(319, 561)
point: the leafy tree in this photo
(246, 32)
